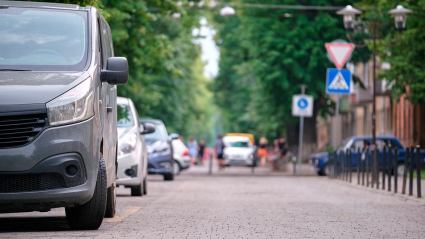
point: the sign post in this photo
(338, 81)
(302, 106)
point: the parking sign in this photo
(302, 105)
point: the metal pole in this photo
(336, 123)
(418, 170)
(300, 143)
(375, 163)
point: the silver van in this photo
(58, 111)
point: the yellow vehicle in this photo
(250, 136)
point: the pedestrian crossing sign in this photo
(338, 81)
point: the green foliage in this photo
(405, 53)
(266, 55)
(166, 79)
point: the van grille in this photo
(13, 183)
(18, 130)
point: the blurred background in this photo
(212, 67)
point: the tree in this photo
(407, 57)
(165, 80)
(265, 56)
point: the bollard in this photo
(367, 167)
(358, 165)
(395, 170)
(406, 158)
(335, 164)
(411, 160)
(342, 158)
(350, 166)
(389, 168)
(384, 166)
(418, 170)
(363, 169)
(376, 161)
(210, 164)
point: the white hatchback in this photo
(238, 151)
(132, 152)
(181, 155)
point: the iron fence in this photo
(379, 168)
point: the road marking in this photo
(130, 211)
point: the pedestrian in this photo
(219, 150)
(262, 151)
(275, 154)
(192, 146)
(181, 138)
(201, 150)
(283, 146)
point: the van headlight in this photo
(127, 144)
(73, 106)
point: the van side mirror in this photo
(116, 72)
(174, 136)
(148, 128)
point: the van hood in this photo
(27, 87)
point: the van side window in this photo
(106, 41)
(100, 44)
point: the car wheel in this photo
(111, 201)
(145, 186)
(400, 169)
(176, 168)
(169, 177)
(137, 191)
(89, 216)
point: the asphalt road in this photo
(236, 204)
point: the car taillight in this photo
(186, 153)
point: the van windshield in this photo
(43, 39)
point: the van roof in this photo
(42, 5)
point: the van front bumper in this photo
(57, 169)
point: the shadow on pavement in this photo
(27, 224)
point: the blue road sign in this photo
(302, 103)
(338, 81)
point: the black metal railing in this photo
(379, 169)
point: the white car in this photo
(132, 152)
(238, 151)
(181, 156)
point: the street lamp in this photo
(349, 14)
(400, 17)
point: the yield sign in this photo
(340, 52)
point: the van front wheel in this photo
(89, 216)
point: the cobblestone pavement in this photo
(236, 204)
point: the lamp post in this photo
(349, 13)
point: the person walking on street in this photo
(201, 150)
(219, 150)
(192, 145)
(262, 151)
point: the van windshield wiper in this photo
(13, 70)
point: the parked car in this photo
(181, 155)
(132, 152)
(58, 113)
(320, 161)
(238, 150)
(160, 158)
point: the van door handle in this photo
(109, 109)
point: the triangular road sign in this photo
(340, 52)
(338, 83)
